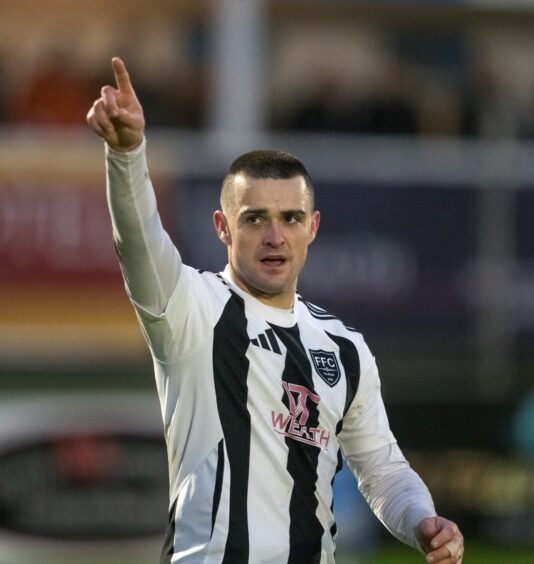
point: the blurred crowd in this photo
(60, 90)
(421, 82)
(398, 104)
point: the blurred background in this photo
(416, 122)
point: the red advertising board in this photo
(61, 291)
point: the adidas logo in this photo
(267, 341)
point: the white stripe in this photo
(268, 499)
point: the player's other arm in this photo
(149, 260)
(393, 490)
(401, 500)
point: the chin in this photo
(269, 286)
(274, 289)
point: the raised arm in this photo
(149, 260)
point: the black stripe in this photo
(305, 530)
(309, 305)
(230, 366)
(318, 312)
(168, 544)
(255, 342)
(350, 359)
(218, 484)
(263, 341)
(273, 341)
(333, 528)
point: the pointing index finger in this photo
(122, 78)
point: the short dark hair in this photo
(266, 163)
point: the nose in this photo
(274, 236)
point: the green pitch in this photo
(475, 553)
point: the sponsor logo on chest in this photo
(295, 425)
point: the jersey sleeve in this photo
(149, 261)
(393, 490)
(366, 426)
(395, 493)
(163, 291)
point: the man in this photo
(260, 390)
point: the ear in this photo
(221, 227)
(314, 226)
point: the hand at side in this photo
(441, 540)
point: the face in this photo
(267, 230)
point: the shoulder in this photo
(337, 330)
(327, 320)
(205, 277)
(201, 286)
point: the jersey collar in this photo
(278, 316)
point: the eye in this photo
(254, 219)
(292, 218)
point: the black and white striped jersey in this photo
(258, 404)
(257, 401)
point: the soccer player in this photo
(262, 393)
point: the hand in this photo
(117, 116)
(441, 540)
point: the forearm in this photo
(149, 260)
(395, 493)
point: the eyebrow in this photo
(251, 211)
(265, 211)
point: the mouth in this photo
(273, 260)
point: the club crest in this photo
(326, 366)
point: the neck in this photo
(283, 300)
